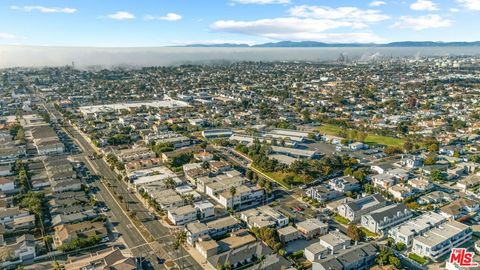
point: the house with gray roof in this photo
(354, 210)
(358, 257)
(386, 217)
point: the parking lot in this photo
(292, 208)
(321, 147)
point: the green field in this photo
(370, 139)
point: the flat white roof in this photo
(203, 205)
(420, 223)
(289, 132)
(160, 170)
(438, 235)
(154, 178)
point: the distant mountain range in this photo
(315, 44)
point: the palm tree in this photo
(233, 191)
(205, 165)
(268, 189)
(170, 183)
(180, 239)
(188, 199)
(57, 266)
(262, 260)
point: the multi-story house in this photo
(405, 232)
(354, 210)
(214, 228)
(264, 216)
(385, 217)
(182, 215)
(441, 240)
(344, 184)
(358, 257)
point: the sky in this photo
(151, 23)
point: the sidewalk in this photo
(151, 210)
(197, 256)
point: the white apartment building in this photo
(404, 233)
(205, 209)
(182, 215)
(216, 185)
(440, 241)
(135, 154)
(244, 196)
(264, 216)
(49, 146)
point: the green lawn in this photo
(330, 129)
(280, 178)
(341, 219)
(369, 233)
(415, 257)
(370, 139)
(384, 140)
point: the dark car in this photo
(146, 265)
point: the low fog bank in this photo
(36, 56)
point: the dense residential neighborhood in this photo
(249, 165)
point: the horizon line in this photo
(246, 44)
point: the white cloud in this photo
(121, 15)
(7, 36)
(351, 14)
(470, 4)
(43, 9)
(266, 27)
(168, 17)
(261, 2)
(422, 22)
(454, 10)
(377, 3)
(294, 29)
(424, 5)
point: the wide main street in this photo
(144, 235)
